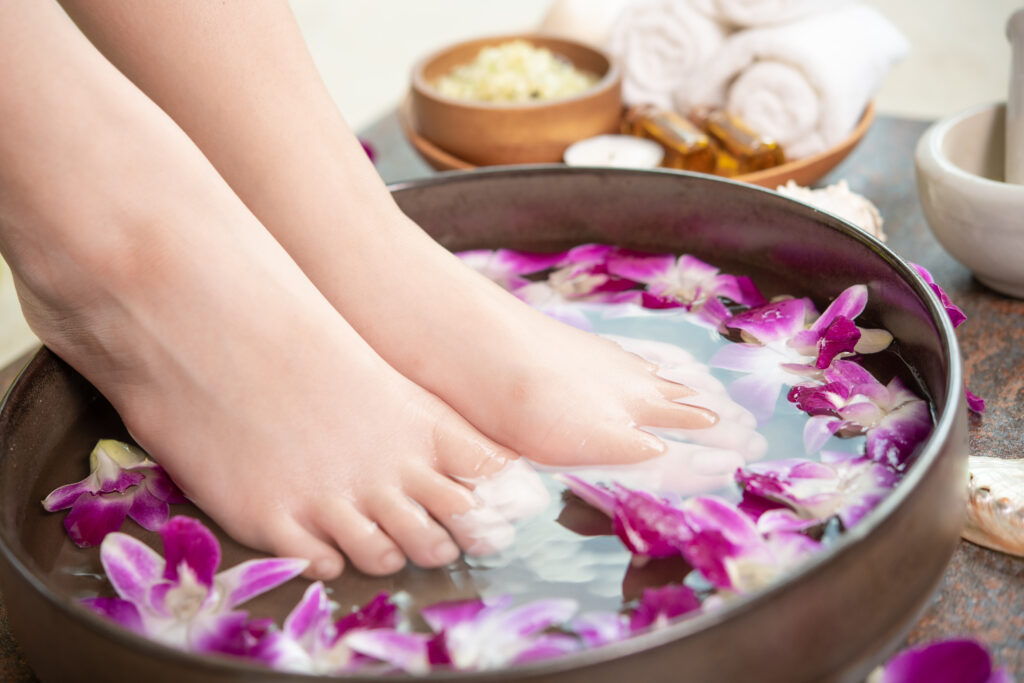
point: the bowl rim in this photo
(929, 157)
(609, 80)
(848, 542)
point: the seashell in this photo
(995, 504)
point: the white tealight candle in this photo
(619, 151)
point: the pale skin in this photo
(208, 244)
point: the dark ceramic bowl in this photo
(832, 620)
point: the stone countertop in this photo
(982, 592)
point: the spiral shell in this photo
(995, 504)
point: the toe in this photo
(363, 541)
(285, 537)
(416, 533)
(658, 412)
(694, 377)
(477, 528)
(464, 452)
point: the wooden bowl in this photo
(486, 134)
(805, 171)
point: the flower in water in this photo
(786, 340)
(947, 661)
(715, 537)
(507, 267)
(595, 629)
(728, 549)
(178, 599)
(659, 606)
(841, 485)
(474, 635)
(894, 419)
(686, 280)
(312, 641)
(122, 482)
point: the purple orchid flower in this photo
(728, 549)
(122, 482)
(687, 280)
(947, 661)
(508, 267)
(842, 485)
(312, 641)
(787, 340)
(715, 537)
(835, 334)
(894, 419)
(595, 629)
(955, 313)
(178, 599)
(480, 634)
(474, 635)
(658, 606)
(956, 316)
(649, 525)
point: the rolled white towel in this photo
(662, 45)
(750, 13)
(805, 84)
(585, 21)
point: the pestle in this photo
(1014, 171)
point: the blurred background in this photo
(365, 48)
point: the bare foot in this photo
(555, 394)
(136, 263)
(254, 103)
(696, 460)
(278, 420)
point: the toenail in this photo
(325, 568)
(392, 561)
(446, 551)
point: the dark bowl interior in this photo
(831, 620)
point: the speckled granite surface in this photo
(982, 592)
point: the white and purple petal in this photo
(247, 580)
(379, 612)
(956, 315)
(547, 646)
(94, 516)
(658, 606)
(595, 629)
(132, 567)
(405, 651)
(124, 613)
(187, 542)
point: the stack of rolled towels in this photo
(798, 71)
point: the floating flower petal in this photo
(180, 601)
(688, 280)
(122, 482)
(659, 606)
(843, 485)
(894, 419)
(488, 634)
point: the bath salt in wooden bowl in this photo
(508, 130)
